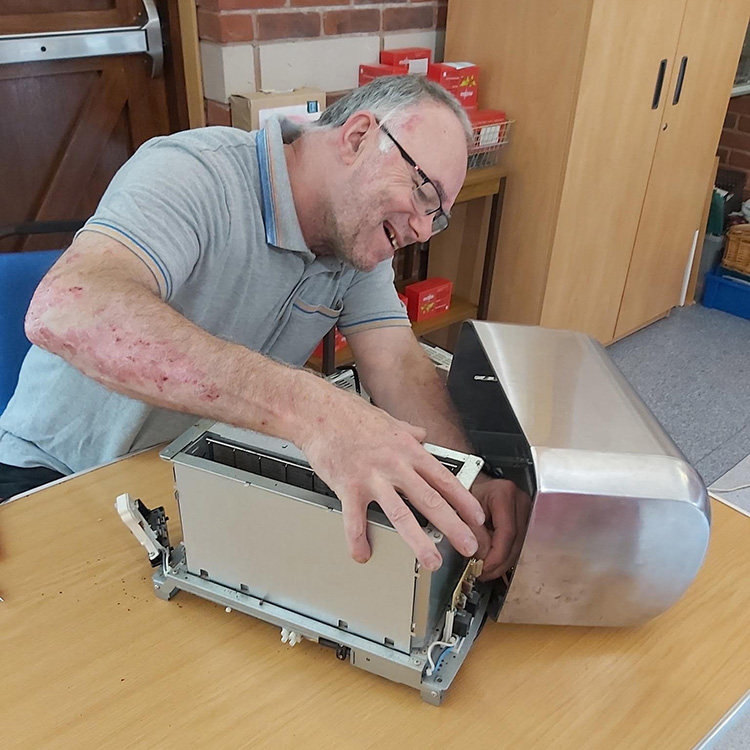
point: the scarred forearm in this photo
(118, 332)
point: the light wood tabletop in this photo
(92, 659)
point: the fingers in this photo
(449, 488)
(433, 506)
(484, 538)
(503, 515)
(523, 510)
(355, 530)
(406, 524)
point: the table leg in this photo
(329, 352)
(490, 252)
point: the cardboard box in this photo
(369, 73)
(460, 78)
(339, 342)
(250, 111)
(489, 127)
(415, 59)
(428, 298)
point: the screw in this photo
(434, 693)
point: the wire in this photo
(730, 489)
(442, 656)
(448, 646)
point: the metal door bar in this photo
(68, 45)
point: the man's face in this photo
(373, 211)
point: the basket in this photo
(491, 130)
(737, 252)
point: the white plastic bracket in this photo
(135, 521)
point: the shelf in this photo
(480, 183)
(460, 310)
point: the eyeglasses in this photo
(425, 195)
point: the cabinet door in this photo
(700, 84)
(630, 46)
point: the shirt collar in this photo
(279, 214)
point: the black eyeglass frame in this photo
(439, 214)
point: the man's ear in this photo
(353, 133)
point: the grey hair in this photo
(387, 96)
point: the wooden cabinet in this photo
(608, 168)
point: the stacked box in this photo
(369, 73)
(429, 298)
(460, 78)
(415, 59)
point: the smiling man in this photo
(215, 262)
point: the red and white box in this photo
(428, 298)
(369, 73)
(490, 128)
(339, 342)
(460, 78)
(415, 59)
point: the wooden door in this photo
(630, 46)
(67, 126)
(710, 44)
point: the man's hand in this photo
(507, 510)
(366, 455)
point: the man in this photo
(215, 262)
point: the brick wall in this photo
(734, 145)
(247, 45)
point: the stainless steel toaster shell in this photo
(620, 521)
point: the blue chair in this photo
(20, 274)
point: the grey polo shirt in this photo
(210, 214)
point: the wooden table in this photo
(92, 659)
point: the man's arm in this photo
(99, 309)
(400, 378)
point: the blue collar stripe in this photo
(266, 187)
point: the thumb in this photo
(419, 433)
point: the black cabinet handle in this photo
(680, 80)
(659, 84)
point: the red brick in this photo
(395, 19)
(351, 21)
(225, 27)
(744, 124)
(377, 2)
(217, 113)
(733, 140)
(723, 154)
(442, 16)
(288, 25)
(740, 104)
(730, 120)
(240, 4)
(318, 3)
(740, 159)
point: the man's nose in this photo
(422, 227)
